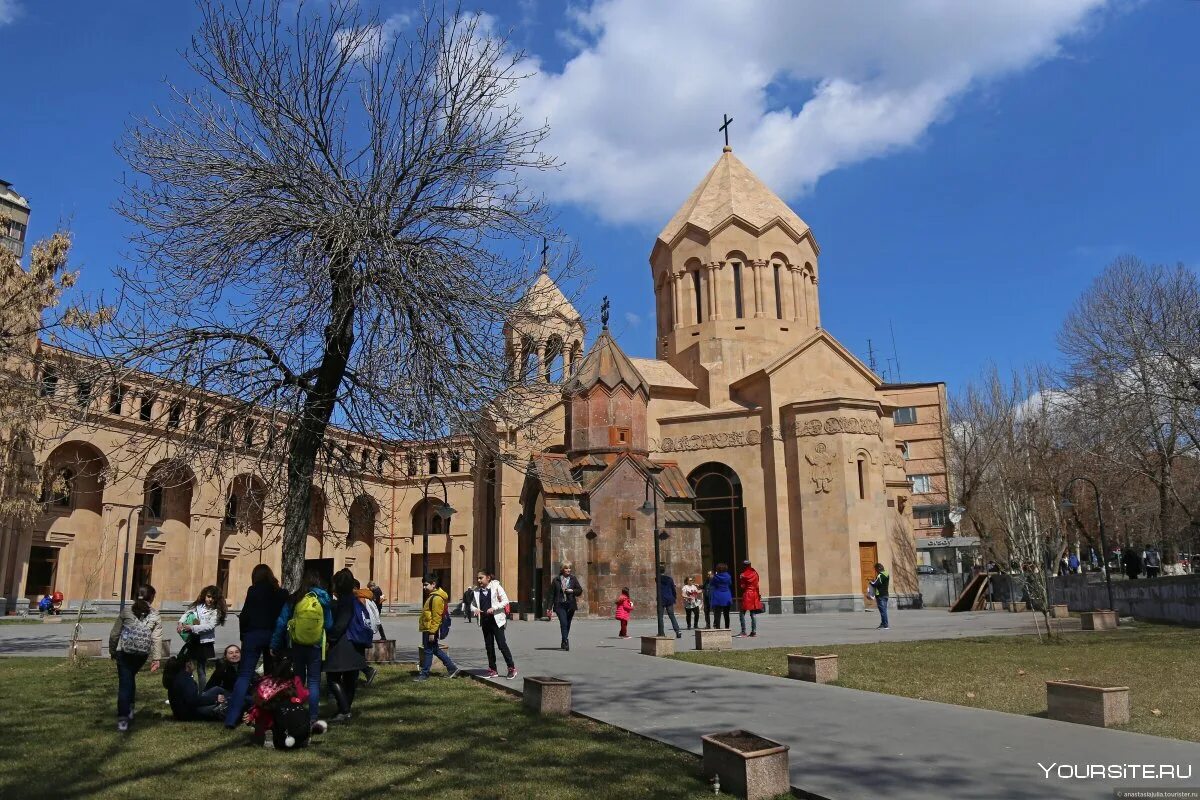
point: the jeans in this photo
(670, 612)
(493, 634)
(717, 612)
(306, 660)
(128, 665)
(707, 614)
(693, 617)
(565, 615)
(254, 644)
(431, 648)
(753, 620)
(882, 602)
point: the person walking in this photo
(666, 590)
(879, 589)
(721, 590)
(198, 627)
(264, 601)
(624, 606)
(345, 657)
(693, 600)
(302, 627)
(135, 637)
(493, 604)
(564, 599)
(751, 598)
(1153, 562)
(706, 590)
(431, 623)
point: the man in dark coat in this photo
(666, 590)
(564, 595)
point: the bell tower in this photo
(735, 279)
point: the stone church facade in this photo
(754, 434)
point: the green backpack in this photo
(307, 624)
(190, 618)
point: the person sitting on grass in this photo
(188, 703)
(225, 673)
(281, 706)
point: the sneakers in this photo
(739, 635)
(342, 717)
(420, 678)
(123, 725)
(678, 634)
(455, 672)
(566, 645)
(625, 637)
(371, 673)
(512, 673)
(491, 673)
(753, 635)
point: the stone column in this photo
(543, 373)
(677, 319)
(714, 295)
(810, 299)
(793, 293)
(760, 266)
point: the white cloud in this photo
(367, 42)
(9, 11)
(632, 319)
(812, 86)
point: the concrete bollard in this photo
(1098, 620)
(547, 695)
(86, 648)
(1102, 706)
(658, 645)
(714, 639)
(1059, 611)
(816, 669)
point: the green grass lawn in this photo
(441, 739)
(1160, 664)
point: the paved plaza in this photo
(844, 743)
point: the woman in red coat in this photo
(751, 598)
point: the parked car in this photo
(928, 569)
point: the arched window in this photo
(528, 358)
(154, 500)
(738, 305)
(60, 488)
(696, 291)
(778, 292)
(553, 356)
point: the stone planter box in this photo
(747, 765)
(714, 639)
(50, 619)
(1059, 612)
(87, 648)
(658, 645)
(1103, 706)
(547, 695)
(382, 650)
(437, 663)
(1098, 620)
(816, 669)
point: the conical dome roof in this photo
(544, 299)
(730, 189)
(606, 363)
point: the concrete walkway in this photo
(845, 744)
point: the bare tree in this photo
(330, 233)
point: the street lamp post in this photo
(1066, 503)
(153, 532)
(444, 511)
(651, 506)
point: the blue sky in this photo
(965, 193)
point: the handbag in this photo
(190, 618)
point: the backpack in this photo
(307, 625)
(137, 636)
(444, 629)
(360, 631)
(190, 618)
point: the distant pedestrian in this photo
(494, 607)
(135, 637)
(467, 604)
(1073, 564)
(693, 601)
(564, 600)
(302, 627)
(345, 654)
(706, 589)
(751, 598)
(1132, 562)
(879, 589)
(198, 627)
(721, 589)
(431, 623)
(377, 594)
(624, 606)
(1063, 566)
(666, 590)
(1153, 562)
(264, 601)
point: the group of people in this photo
(714, 596)
(297, 636)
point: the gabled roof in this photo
(554, 473)
(661, 374)
(607, 364)
(544, 299)
(731, 190)
(818, 336)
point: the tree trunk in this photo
(319, 401)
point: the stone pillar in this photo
(811, 305)
(542, 372)
(793, 294)
(714, 294)
(113, 521)
(677, 320)
(760, 266)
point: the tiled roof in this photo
(682, 516)
(567, 514)
(554, 473)
(544, 299)
(606, 363)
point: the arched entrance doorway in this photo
(719, 500)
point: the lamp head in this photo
(445, 511)
(648, 507)
(153, 532)
(1066, 504)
